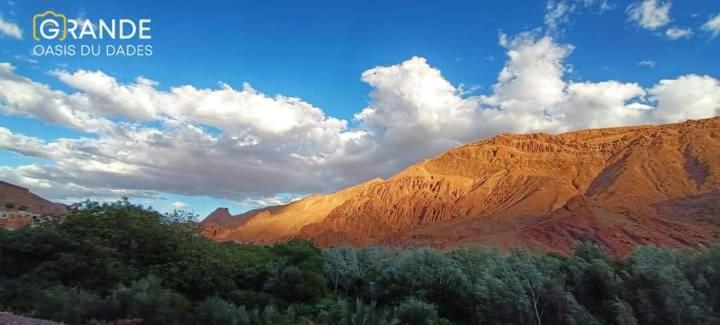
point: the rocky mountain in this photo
(20, 207)
(620, 187)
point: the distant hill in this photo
(18, 206)
(619, 187)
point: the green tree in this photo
(70, 305)
(342, 267)
(216, 311)
(416, 312)
(663, 293)
(148, 300)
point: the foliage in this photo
(71, 305)
(414, 311)
(216, 311)
(114, 261)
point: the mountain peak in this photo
(219, 216)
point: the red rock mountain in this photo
(21, 198)
(18, 206)
(620, 187)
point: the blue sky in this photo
(318, 50)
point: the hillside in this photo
(620, 187)
(18, 206)
(22, 197)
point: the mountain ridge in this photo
(613, 186)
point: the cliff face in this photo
(620, 187)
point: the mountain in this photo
(20, 207)
(21, 198)
(619, 187)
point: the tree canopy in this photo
(112, 261)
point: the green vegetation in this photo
(121, 261)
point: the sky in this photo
(247, 104)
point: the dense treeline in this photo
(120, 261)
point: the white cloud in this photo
(687, 97)
(225, 108)
(25, 97)
(178, 205)
(532, 77)
(41, 180)
(279, 199)
(532, 95)
(647, 63)
(244, 145)
(650, 14)
(601, 104)
(558, 12)
(676, 33)
(10, 29)
(712, 26)
(408, 97)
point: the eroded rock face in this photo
(620, 187)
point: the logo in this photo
(90, 37)
(49, 25)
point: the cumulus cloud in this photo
(687, 97)
(413, 105)
(712, 26)
(10, 29)
(650, 14)
(248, 146)
(532, 76)
(23, 96)
(676, 33)
(225, 108)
